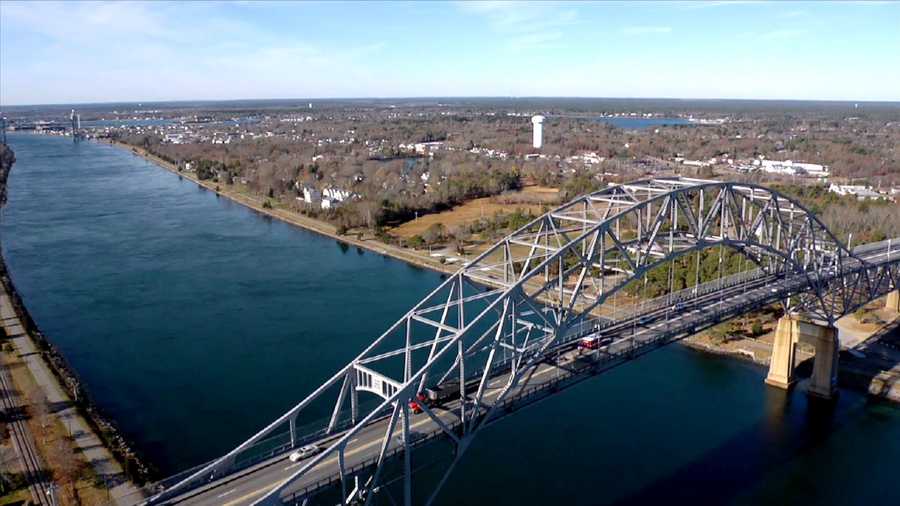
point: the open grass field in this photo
(529, 198)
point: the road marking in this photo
(226, 493)
(245, 497)
(332, 460)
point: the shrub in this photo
(435, 233)
(757, 329)
(415, 242)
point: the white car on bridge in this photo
(304, 452)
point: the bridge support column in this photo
(893, 301)
(788, 333)
(823, 382)
(781, 366)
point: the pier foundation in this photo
(893, 301)
(823, 382)
(784, 349)
(791, 331)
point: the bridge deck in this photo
(563, 366)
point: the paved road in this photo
(92, 448)
(565, 363)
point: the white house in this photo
(311, 195)
(792, 168)
(336, 194)
(422, 148)
(859, 191)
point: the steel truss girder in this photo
(546, 278)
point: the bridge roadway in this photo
(564, 365)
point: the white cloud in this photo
(525, 25)
(162, 51)
(85, 22)
(646, 30)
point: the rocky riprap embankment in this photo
(7, 158)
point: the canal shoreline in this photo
(136, 468)
(292, 218)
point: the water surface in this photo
(627, 123)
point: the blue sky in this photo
(105, 52)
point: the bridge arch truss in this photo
(488, 326)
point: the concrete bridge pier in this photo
(784, 349)
(791, 331)
(823, 382)
(893, 301)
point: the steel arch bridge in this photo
(501, 333)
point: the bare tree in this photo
(68, 469)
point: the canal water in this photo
(194, 322)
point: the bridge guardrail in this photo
(627, 350)
(582, 329)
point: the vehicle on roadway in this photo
(304, 452)
(643, 320)
(589, 343)
(436, 395)
(416, 405)
(442, 393)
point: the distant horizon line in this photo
(451, 97)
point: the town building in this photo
(859, 191)
(791, 168)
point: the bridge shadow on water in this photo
(722, 474)
(793, 427)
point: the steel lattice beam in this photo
(492, 323)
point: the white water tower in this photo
(538, 123)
